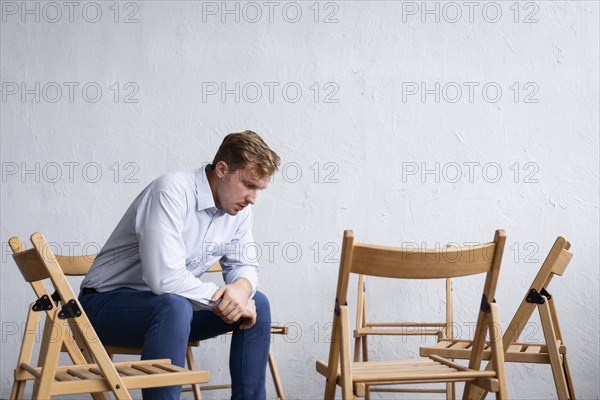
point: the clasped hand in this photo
(235, 303)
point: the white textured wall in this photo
(362, 146)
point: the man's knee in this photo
(263, 308)
(174, 307)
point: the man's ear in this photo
(221, 169)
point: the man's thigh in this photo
(122, 317)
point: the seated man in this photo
(145, 289)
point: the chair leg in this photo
(100, 396)
(450, 391)
(484, 321)
(365, 357)
(478, 393)
(365, 349)
(345, 360)
(497, 351)
(26, 352)
(275, 375)
(330, 387)
(565, 363)
(555, 358)
(79, 354)
(357, 343)
(18, 390)
(568, 378)
(501, 394)
(79, 342)
(51, 347)
(104, 362)
(191, 363)
(47, 338)
(334, 358)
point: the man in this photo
(145, 289)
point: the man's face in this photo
(237, 189)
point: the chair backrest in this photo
(411, 263)
(71, 265)
(75, 265)
(40, 263)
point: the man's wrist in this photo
(244, 283)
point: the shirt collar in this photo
(204, 194)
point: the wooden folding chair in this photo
(365, 328)
(80, 265)
(92, 370)
(391, 262)
(553, 352)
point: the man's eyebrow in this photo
(253, 185)
(250, 183)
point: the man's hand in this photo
(249, 318)
(236, 303)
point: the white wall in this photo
(528, 155)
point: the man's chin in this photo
(232, 211)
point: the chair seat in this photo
(535, 353)
(71, 379)
(407, 371)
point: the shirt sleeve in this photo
(159, 227)
(240, 259)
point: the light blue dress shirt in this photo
(170, 235)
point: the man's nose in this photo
(251, 198)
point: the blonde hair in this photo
(247, 148)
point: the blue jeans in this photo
(162, 325)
